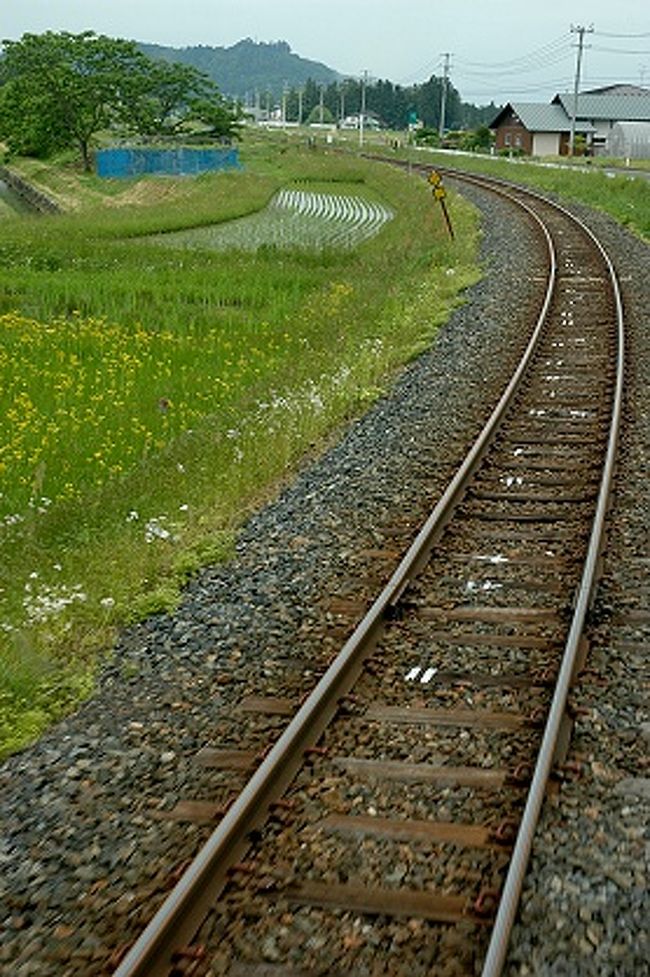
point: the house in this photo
(603, 108)
(354, 122)
(540, 129)
(536, 129)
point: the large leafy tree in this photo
(59, 90)
(164, 98)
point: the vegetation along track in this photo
(378, 800)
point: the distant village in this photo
(609, 121)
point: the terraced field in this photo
(294, 218)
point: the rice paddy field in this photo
(170, 350)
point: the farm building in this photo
(541, 129)
(629, 140)
(536, 129)
(603, 108)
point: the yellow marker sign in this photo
(439, 193)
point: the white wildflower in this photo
(50, 601)
(13, 519)
(154, 529)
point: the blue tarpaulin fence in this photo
(127, 161)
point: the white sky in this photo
(500, 49)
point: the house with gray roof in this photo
(541, 129)
(604, 108)
(536, 129)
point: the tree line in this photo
(394, 106)
(59, 90)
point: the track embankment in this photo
(103, 814)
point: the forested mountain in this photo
(248, 67)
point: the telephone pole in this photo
(364, 82)
(580, 31)
(443, 94)
(285, 92)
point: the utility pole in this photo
(580, 31)
(443, 95)
(321, 106)
(364, 82)
(341, 103)
(300, 106)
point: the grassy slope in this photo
(290, 346)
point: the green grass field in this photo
(151, 397)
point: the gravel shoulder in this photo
(86, 849)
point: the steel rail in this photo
(179, 917)
(511, 892)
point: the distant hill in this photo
(248, 66)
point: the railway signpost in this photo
(439, 194)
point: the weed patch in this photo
(152, 397)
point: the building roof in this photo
(540, 117)
(613, 108)
(623, 89)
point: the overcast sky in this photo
(500, 49)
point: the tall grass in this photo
(150, 397)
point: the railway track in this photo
(394, 814)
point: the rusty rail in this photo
(181, 914)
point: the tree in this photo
(163, 98)
(60, 90)
(478, 140)
(222, 120)
(317, 115)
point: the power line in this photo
(427, 69)
(617, 50)
(548, 48)
(604, 34)
(556, 84)
(525, 69)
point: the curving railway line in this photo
(380, 801)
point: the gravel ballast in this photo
(86, 848)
